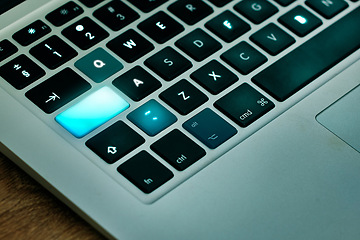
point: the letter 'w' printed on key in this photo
(130, 44)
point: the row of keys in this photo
(86, 33)
(227, 26)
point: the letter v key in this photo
(272, 37)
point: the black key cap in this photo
(137, 83)
(58, 90)
(300, 21)
(183, 97)
(284, 3)
(64, 14)
(287, 76)
(227, 26)
(6, 49)
(145, 172)
(115, 142)
(85, 33)
(190, 11)
(214, 77)
(244, 105)
(272, 39)
(168, 63)
(327, 8)
(147, 5)
(31, 33)
(244, 58)
(178, 150)
(198, 44)
(209, 128)
(53, 52)
(256, 11)
(130, 46)
(160, 27)
(116, 15)
(21, 71)
(90, 3)
(220, 3)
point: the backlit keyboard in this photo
(154, 91)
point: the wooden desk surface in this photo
(29, 211)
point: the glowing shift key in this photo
(92, 111)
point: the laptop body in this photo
(291, 177)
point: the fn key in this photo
(145, 172)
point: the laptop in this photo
(217, 119)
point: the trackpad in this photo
(343, 118)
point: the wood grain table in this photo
(29, 211)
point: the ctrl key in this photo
(145, 172)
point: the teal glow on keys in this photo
(92, 111)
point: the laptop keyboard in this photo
(153, 91)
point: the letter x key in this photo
(212, 74)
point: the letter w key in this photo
(130, 46)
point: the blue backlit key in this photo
(98, 65)
(152, 117)
(92, 111)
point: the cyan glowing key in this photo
(152, 117)
(91, 112)
(300, 19)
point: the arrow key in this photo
(115, 142)
(137, 83)
(58, 90)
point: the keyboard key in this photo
(115, 142)
(220, 3)
(198, 45)
(190, 11)
(6, 49)
(160, 27)
(21, 71)
(256, 11)
(137, 83)
(209, 128)
(178, 150)
(327, 8)
(227, 26)
(91, 3)
(145, 172)
(53, 52)
(85, 33)
(64, 14)
(284, 3)
(286, 76)
(147, 5)
(130, 46)
(244, 105)
(214, 77)
(92, 111)
(300, 21)
(183, 97)
(31, 33)
(98, 65)
(58, 90)
(272, 39)
(168, 63)
(244, 58)
(116, 15)
(152, 117)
